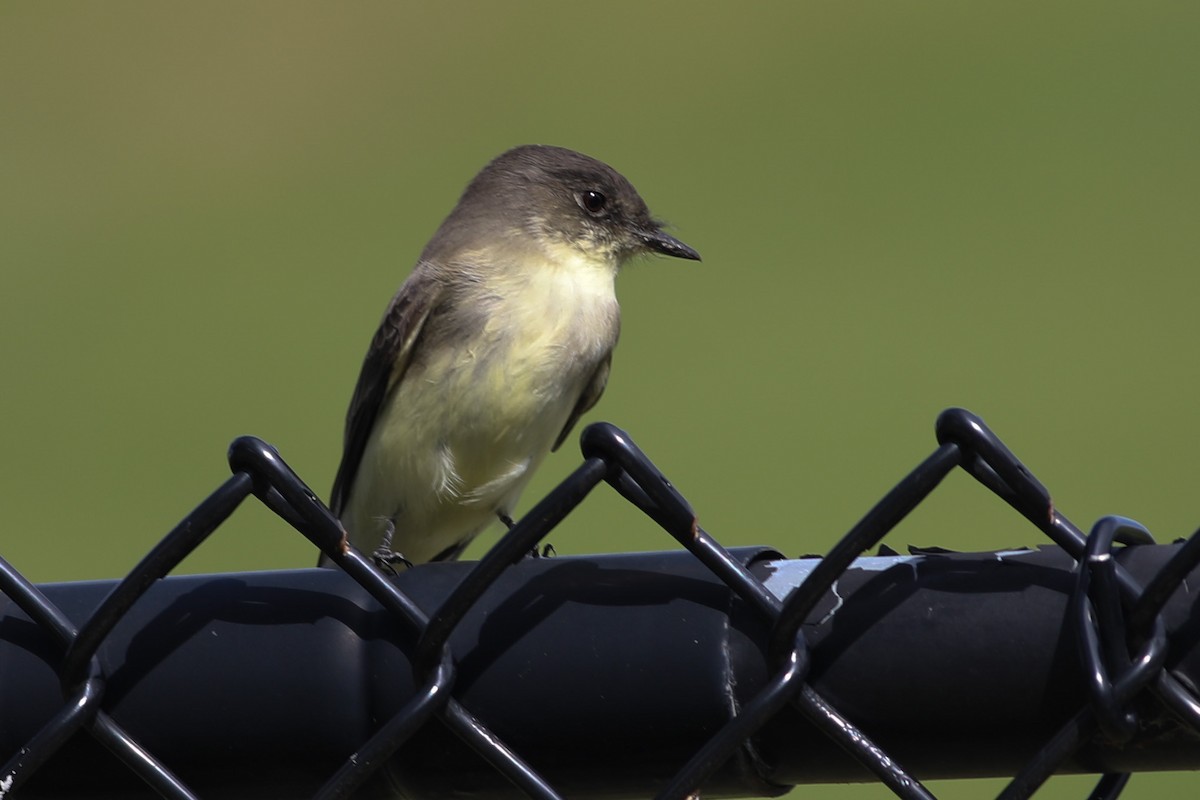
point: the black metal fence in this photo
(663, 674)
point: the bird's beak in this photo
(668, 245)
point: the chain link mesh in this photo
(1123, 643)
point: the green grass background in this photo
(901, 207)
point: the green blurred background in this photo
(901, 207)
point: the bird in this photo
(497, 342)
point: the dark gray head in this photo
(555, 197)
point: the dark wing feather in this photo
(591, 395)
(387, 358)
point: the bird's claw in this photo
(383, 556)
(386, 559)
(547, 551)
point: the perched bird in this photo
(489, 353)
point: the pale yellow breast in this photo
(461, 434)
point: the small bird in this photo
(488, 354)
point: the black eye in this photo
(592, 202)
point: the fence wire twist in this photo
(1121, 636)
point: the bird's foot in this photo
(384, 557)
(387, 560)
(547, 551)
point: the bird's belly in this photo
(462, 434)
(494, 417)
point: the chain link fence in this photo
(702, 671)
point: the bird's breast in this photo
(492, 382)
(486, 404)
(542, 340)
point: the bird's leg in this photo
(384, 556)
(547, 549)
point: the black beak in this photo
(668, 245)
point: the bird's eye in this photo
(592, 202)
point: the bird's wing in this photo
(386, 361)
(591, 394)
